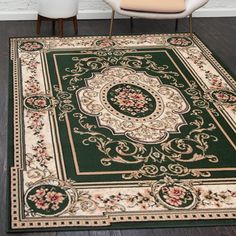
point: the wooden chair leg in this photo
(61, 27)
(38, 27)
(191, 25)
(75, 23)
(111, 24)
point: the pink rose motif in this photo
(179, 41)
(35, 46)
(176, 192)
(40, 192)
(41, 154)
(125, 102)
(40, 102)
(54, 197)
(41, 204)
(30, 101)
(137, 96)
(106, 43)
(174, 201)
(222, 96)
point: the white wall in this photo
(95, 9)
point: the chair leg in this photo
(191, 25)
(111, 24)
(75, 23)
(176, 25)
(38, 27)
(131, 24)
(61, 26)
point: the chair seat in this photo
(56, 9)
(160, 6)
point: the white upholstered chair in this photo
(149, 9)
(58, 10)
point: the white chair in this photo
(151, 12)
(58, 10)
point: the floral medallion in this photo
(176, 196)
(38, 102)
(222, 96)
(133, 104)
(31, 46)
(179, 41)
(47, 199)
(130, 100)
(103, 43)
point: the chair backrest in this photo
(58, 8)
(191, 6)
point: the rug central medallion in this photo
(133, 103)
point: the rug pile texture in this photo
(137, 131)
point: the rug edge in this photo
(115, 226)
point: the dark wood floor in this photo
(218, 33)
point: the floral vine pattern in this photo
(31, 84)
(209, 198)
(110, 56)
(218, 92)
(51, 197)
(173, 153)
(175, 196)
(37, 105)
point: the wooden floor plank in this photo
(73, 233)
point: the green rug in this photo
(137, 131)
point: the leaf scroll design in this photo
(168, 159)
(65, 104)
(111, 56)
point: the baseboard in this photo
(106, 14)
(217, 12)
(18, 15)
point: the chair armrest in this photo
(114, 4)
(193, 5)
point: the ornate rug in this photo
(137, 131)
